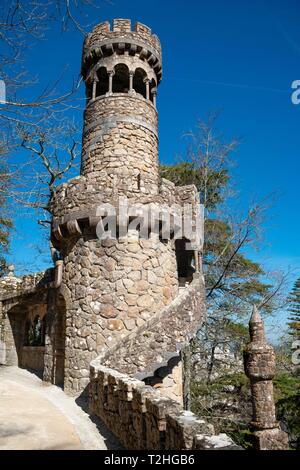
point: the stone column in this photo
(94, 88)
(147, 82)
(259, 362)
(110, 80)
(131, 73)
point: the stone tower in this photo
(260, 368)
(121, 69)
(111, 287)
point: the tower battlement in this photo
(122, 39)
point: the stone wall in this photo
(142, 419)
(152, 351)
(115, 286)
(12, 287)
(119, 150)
(2, 352)
(22, 299)
(161, 338)
(12, 331)
(79, 198)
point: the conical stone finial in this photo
(255, 317)
(256, 327)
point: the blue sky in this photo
(238, 56)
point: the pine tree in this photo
(294, 308)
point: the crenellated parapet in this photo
(123, 40)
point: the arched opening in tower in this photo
(139, 84)
(121, 79)
(25, 336)
(102, 84)
(185, 261)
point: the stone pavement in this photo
(39, 416)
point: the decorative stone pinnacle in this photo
(255, 317)
(259, 363)
(256, 327)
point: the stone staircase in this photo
(139, 415)
(152, 345)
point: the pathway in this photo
(36, 415)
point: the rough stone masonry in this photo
(115, 286)
(114, 314)
(132, 299)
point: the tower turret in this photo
(122, 69)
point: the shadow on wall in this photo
(110, 440)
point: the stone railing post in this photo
(259, 363)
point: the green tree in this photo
(233, 281)
(185, 173)
(294, 308)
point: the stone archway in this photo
(24, 336)
(33, 345)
